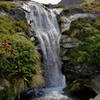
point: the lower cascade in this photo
(45, 25)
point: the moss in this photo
(8, 26)
(66, 10)
(58, 6)
(88, 35)
(7, 6)
(20, 26)
(92, 4)
(97, 23)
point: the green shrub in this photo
(19, 61)
(6, 6)
(18, 57)
(7, 26)
(89, 49)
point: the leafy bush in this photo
(19, 60)
(6, 6)
(7, 26)
(18, 56)
(88, 35)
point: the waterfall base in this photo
(53, 94)
(44, 94)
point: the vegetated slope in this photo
(92, 4)
(19, 60)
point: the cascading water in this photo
(45, 25)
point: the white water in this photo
(54, 95)
(45, 25)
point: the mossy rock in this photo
(8, 26)
(7, 6)
(66, 10)
(88, 35)
(58, 6)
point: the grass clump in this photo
(7, 26)
(6, 6)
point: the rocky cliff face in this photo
(82, 74)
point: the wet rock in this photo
(65, 58)
(30, 93)
(65, 39)
(69, 45)
(83, 93)
(65, 23)
(95, 84)
(96, 98)
(18, 14)
(83, 70)
(32, 39)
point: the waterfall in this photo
(45, 25)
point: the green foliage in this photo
(7, 26)
(92, 4)
(58, 6)
(66, 10)
(7, 94)
(97, 23)
(88, 50)
(6, 6)
(19, 62)
(18, 57)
